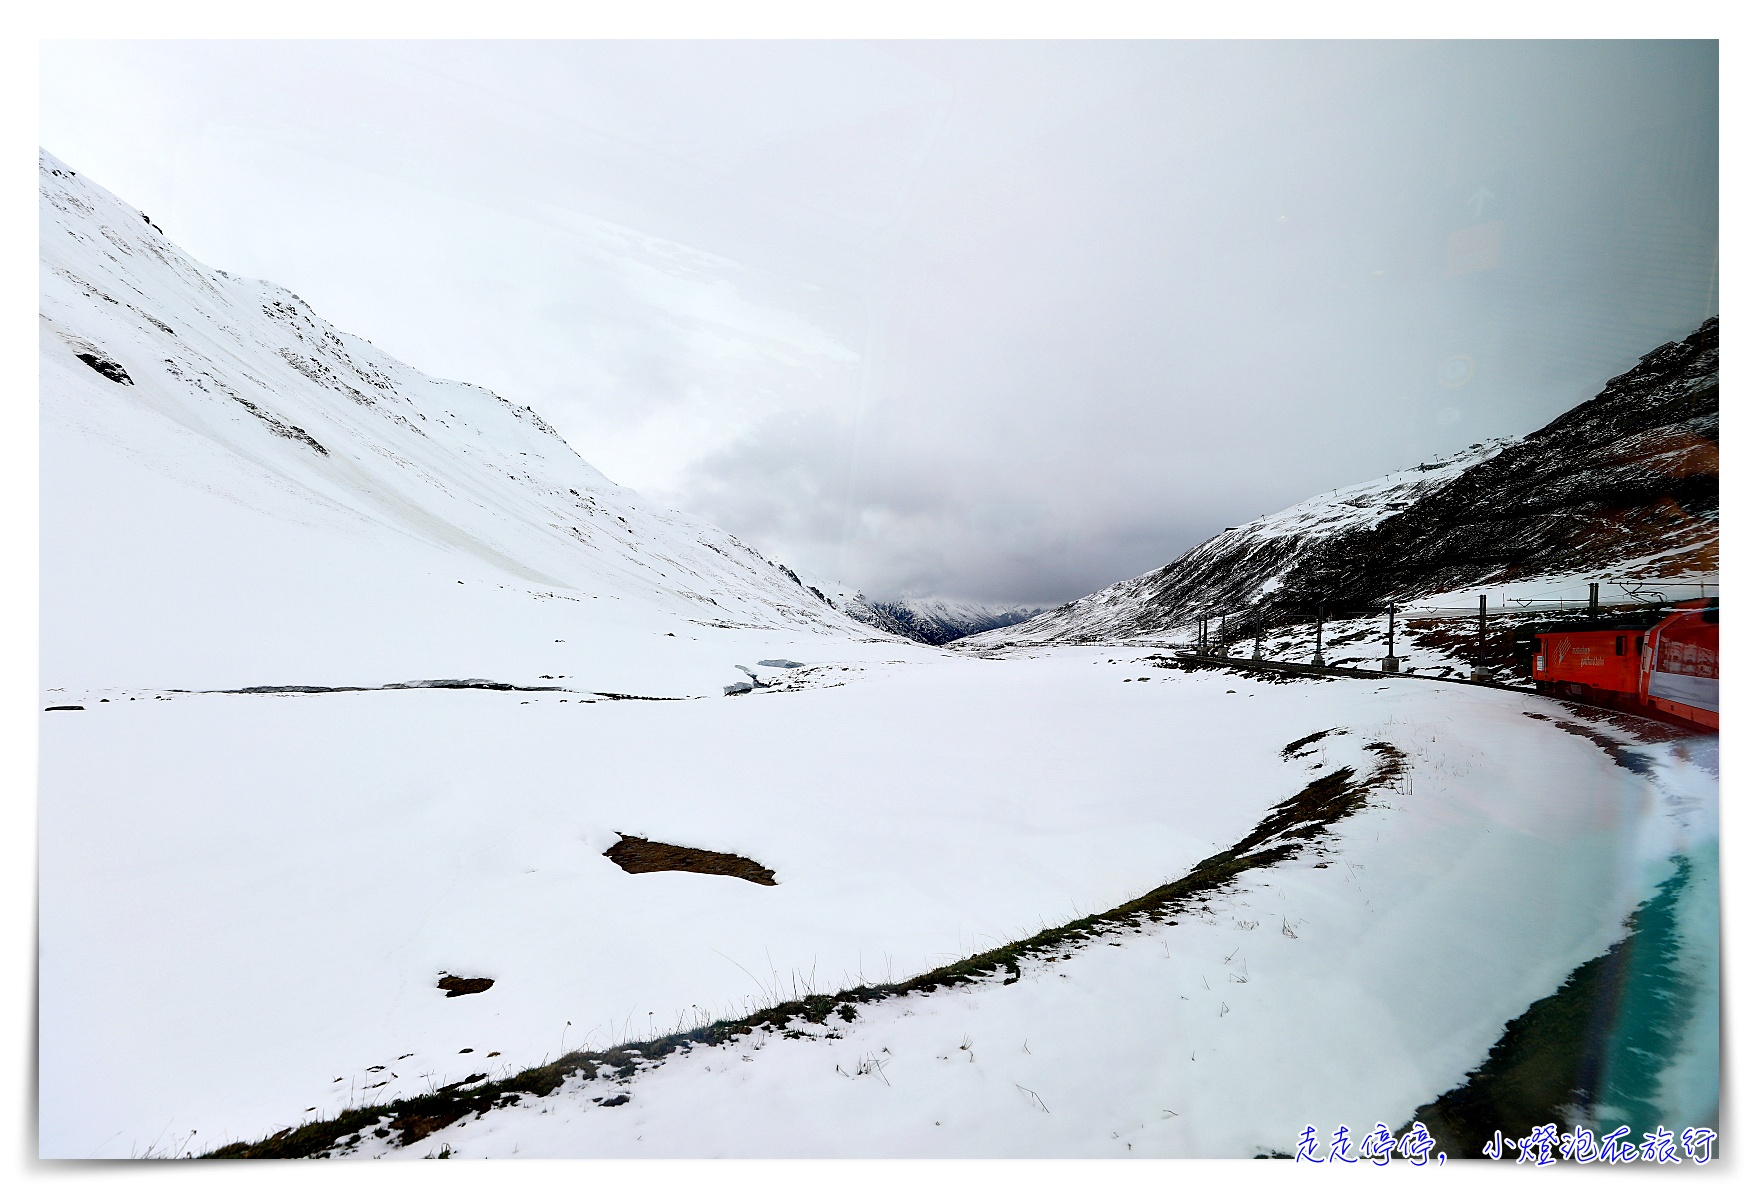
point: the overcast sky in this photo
(1001, 321)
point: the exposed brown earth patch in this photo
(455, 986)
(634, 855)
(1293, 748)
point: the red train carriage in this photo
(1681, 665)
(1578, 661)
(1670, 665)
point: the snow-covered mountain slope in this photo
(852, 603)
(1626, 483)
(235, 492)
(1243, 564)
(930, 620)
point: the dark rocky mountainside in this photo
(1628, 481)
(1630, 476)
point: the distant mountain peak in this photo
(939, 621)
(930, 619)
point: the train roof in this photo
(1556, 629)
(1625, 621)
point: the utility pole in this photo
(1480, 667)
(1318, 642)
(1390, 664)
(1592, 600)
(1257, 642)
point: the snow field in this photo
(247, 897)
(1350, 994)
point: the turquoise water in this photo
(1657, 1059)
(1631, 1038)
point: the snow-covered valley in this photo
(261, 855)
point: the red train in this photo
(1669, 666)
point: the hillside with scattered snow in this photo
(1626, 484)
(1242, 565)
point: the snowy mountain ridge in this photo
(1625, 484)
(1363, 505)
(1254, 557)
(931, 620)
(937, 621)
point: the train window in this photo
(1621, 646)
